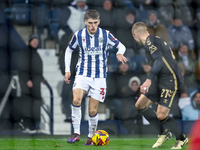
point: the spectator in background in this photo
(11, 43)
(30, 69)
(134, 83)
(131, 116)
(41, 17)
(107, 13)
(122, 93)
(155, 27)
(192, 112)
(178, 32)
(144, 72)
(124, 19)
(71, 20)
(118, 91)
(143, 6)
(169, 8)
(188, 59)
(190, 83)
(197, 71)
(196, 33)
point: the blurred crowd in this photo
(175, 21)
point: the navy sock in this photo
(151, 116)
(172, 125)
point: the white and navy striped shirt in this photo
(93, 52)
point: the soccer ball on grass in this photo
(100, 137)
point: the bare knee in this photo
(162, 112)
(142, 102)
(92, 111)
(76, 101)
(138, 105)
(161, 116)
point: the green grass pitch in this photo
(125, 142)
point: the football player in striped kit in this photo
(91, 70)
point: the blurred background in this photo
(34, 35)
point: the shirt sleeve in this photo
(68, 53)
(112, 40)
(116, 43)
(156, 54)
(121, 48)
(74, 42)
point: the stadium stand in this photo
(24, 17)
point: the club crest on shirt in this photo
(83, 39)
(152, 49)
(100, 39)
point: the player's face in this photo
(92, 25)
(136, 37)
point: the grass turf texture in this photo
(128, 142)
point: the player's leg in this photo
(97, 94)
(78, 95)
(171, 124)
(93, 119)
(142, 105)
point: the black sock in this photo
(172, 125)
(150, 115)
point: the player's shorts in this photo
(96, 87)
(164, 93)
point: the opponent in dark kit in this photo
(163, 86)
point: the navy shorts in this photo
(163, 92)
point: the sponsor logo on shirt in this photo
(93, 50)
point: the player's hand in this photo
(121, 58)
(144, 88)
(67, 76)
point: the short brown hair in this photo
(139, 27)
(92, 13)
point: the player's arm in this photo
(121, 48)
(120, 53)
(156, 54)
(68, 54)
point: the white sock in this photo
(93, 122)
(76, 118)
